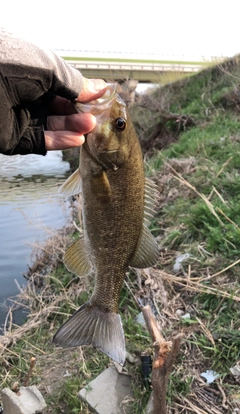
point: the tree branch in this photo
(164, 356)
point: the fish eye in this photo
(120, 124)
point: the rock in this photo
(109, 393)
(28, 400)
(149, 408)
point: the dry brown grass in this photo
(169, 294)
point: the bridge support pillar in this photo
(127, 90)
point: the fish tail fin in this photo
(89, 325)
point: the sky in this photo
(166, 28)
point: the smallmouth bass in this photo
(117, 201)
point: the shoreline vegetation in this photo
(190, 134)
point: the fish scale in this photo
(117, 202)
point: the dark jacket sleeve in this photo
(30, 77)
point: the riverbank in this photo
(194, 158)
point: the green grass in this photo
(223, 351)
(215, 176)
(198, 213)
(203, 219)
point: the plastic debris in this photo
(235, 370)
(132, 359)
(210, 376)
(140, 319)
(67, 374)
(186, 316)
(146, 369)
(179, 259)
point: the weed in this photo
(199, 214)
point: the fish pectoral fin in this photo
(76, 259)
(100, 186)
(91, 326)
(147, 250)
(73, 185)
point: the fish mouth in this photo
(98, 106)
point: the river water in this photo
(30, 208)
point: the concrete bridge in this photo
(128, 68)
(142, 71)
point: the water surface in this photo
(30, 209)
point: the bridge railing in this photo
(157, 67)
(140, 71)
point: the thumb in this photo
(92, 89)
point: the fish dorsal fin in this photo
(73, 185)
(147, 250)
(100, 186)
(76, 259)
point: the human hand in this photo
(66, 128)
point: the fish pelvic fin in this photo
(73, 185)
(91, 326)
(147, 250)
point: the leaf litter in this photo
(205, 286)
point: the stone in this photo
(109, 393)
(28, 400)
(149, 408)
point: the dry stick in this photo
(32, 364)
(164, 355)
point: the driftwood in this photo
(164, 356)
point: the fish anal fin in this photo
(73, 185)
(76, 259)
(91, 326)
(147, 250)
